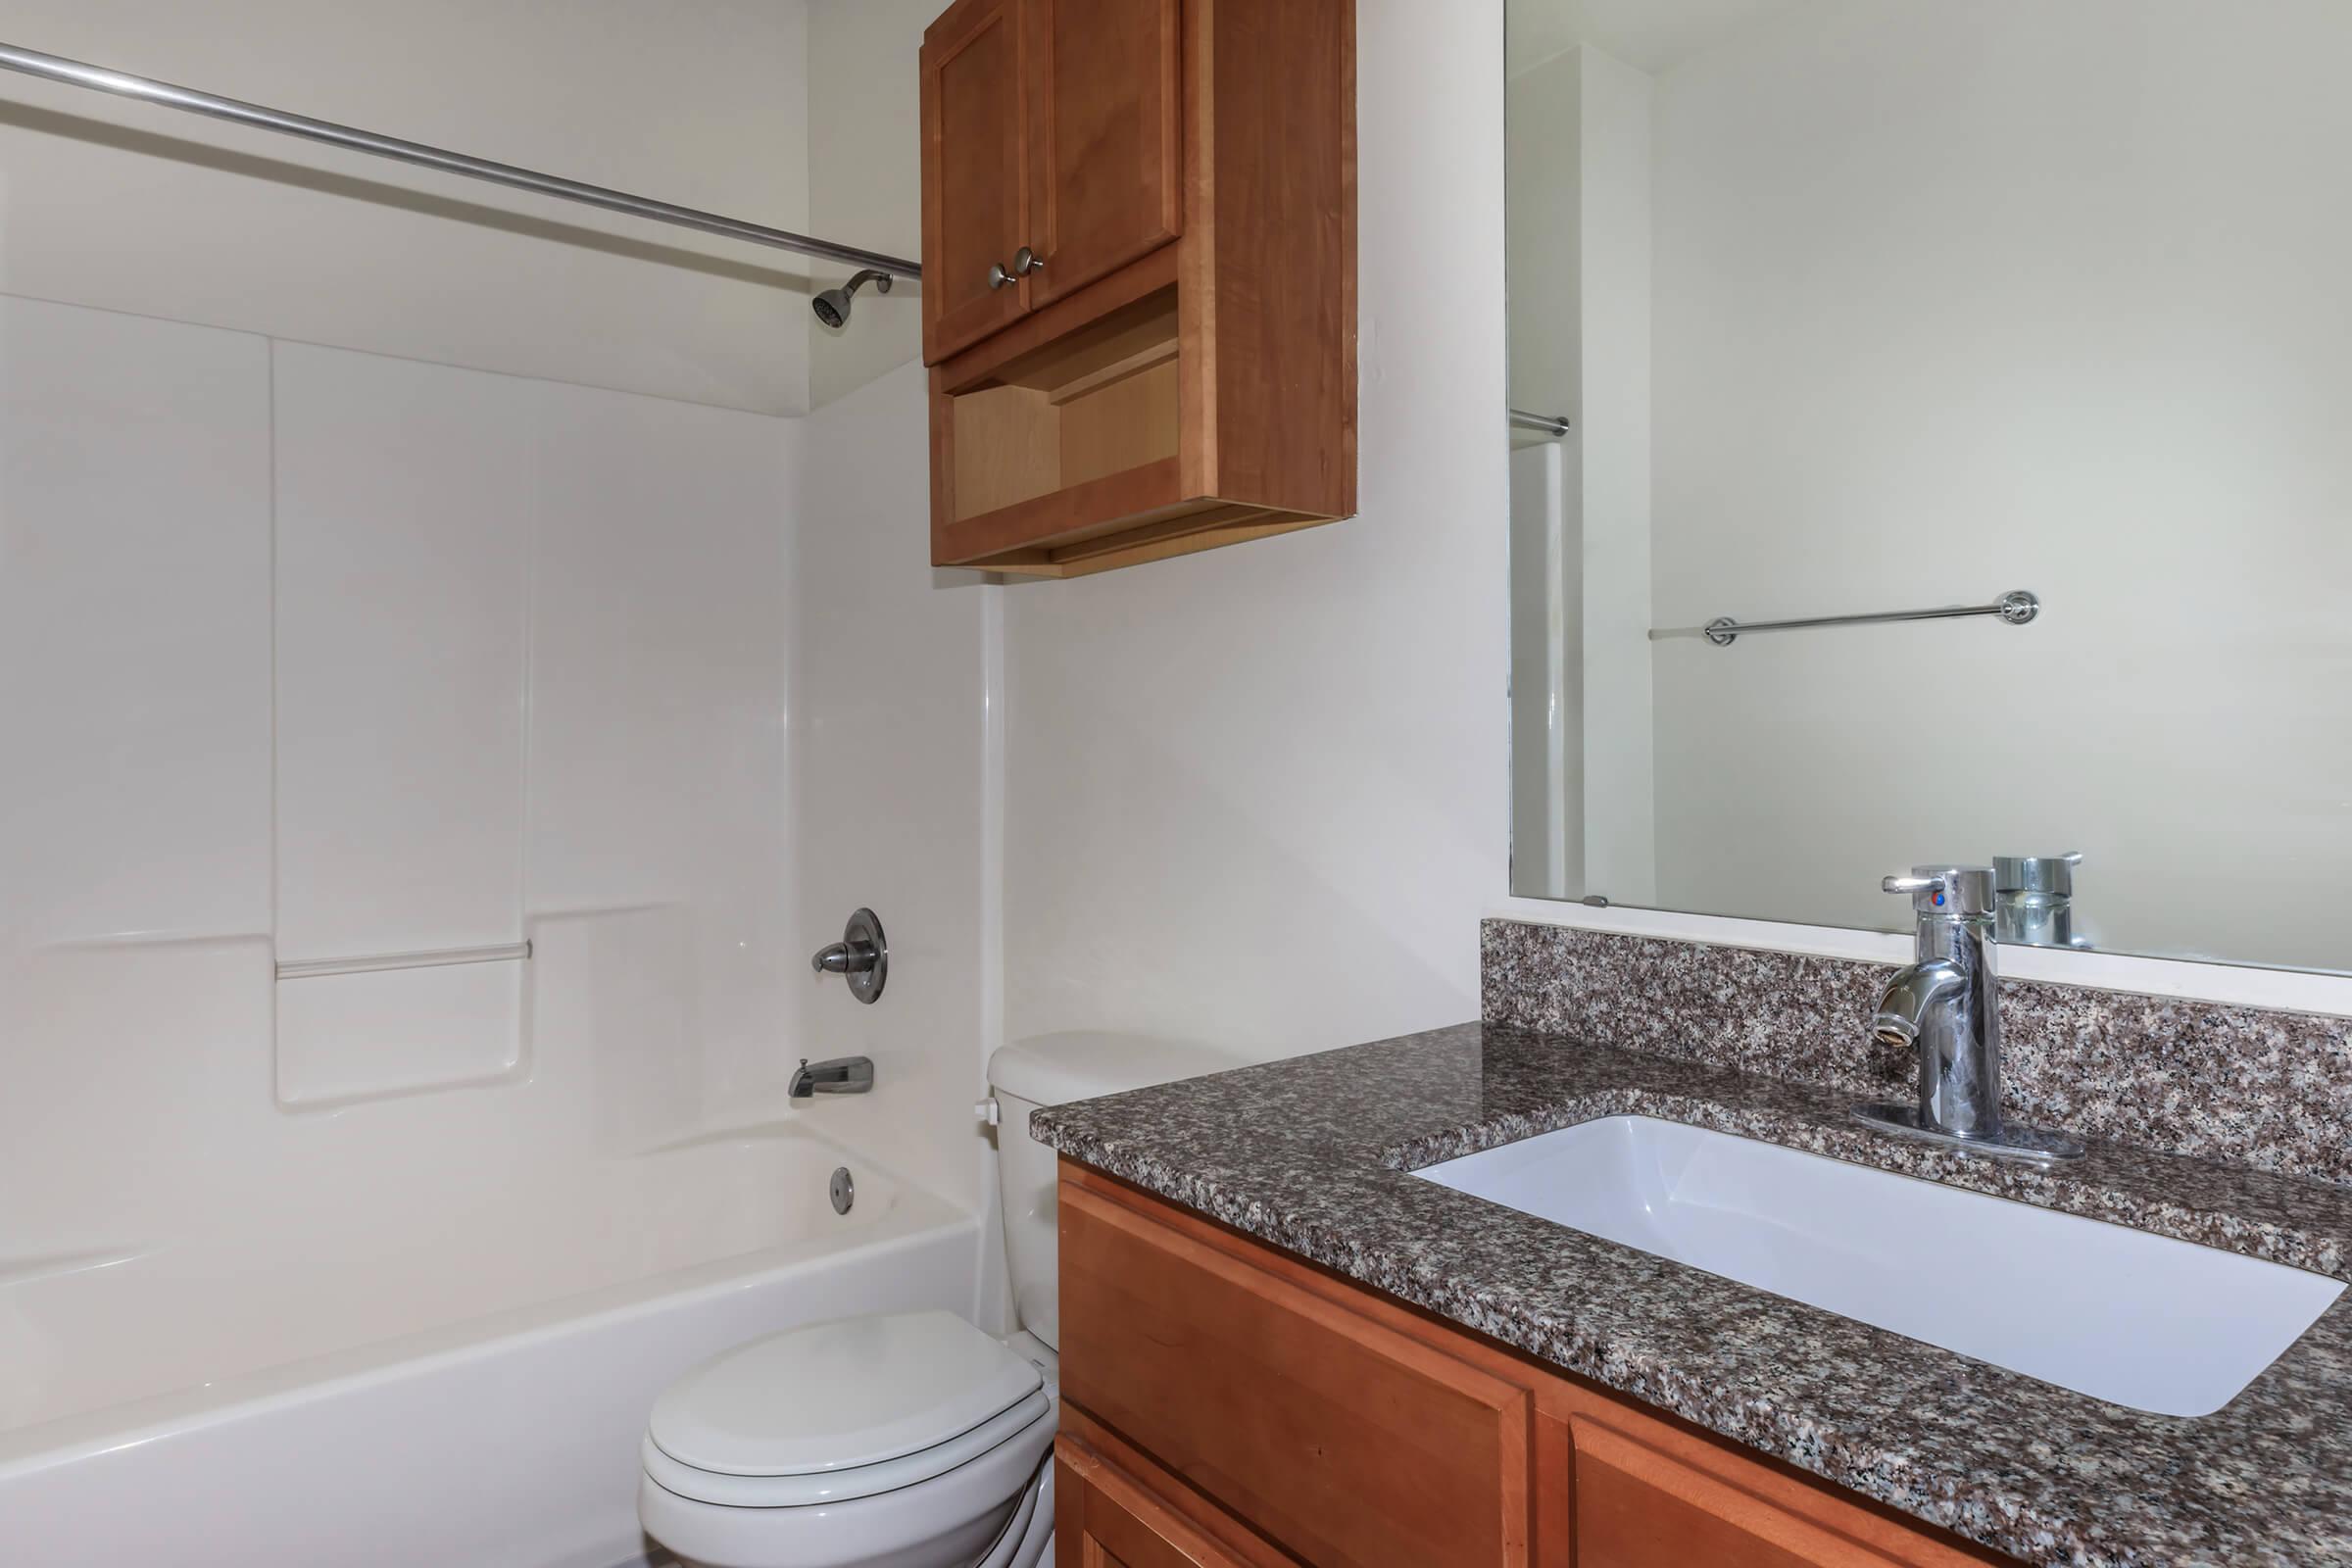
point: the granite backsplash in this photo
(2268, 1090)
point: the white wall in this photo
(498, 659)
(317, 654)
(1259, 795)
(670, 858)
(1612, 148)
(701, 102)
(1544, 244)
(1650, 36)
(893, 800)
(866, 177)
(1579, 253)
(1256, 796)
(1548, 671)
(314, 654)
(1957, 300)
(1545, 255)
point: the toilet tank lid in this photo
(1055, 1069)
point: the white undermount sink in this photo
(2142, 1320)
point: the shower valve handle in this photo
(861, 957)
(844, 958)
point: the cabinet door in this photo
(1105, 1518)
(1646, 1497)
(1103, 154)
(974, 190)
(1342, 1439)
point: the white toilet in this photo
(908, 1440)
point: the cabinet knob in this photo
(1027, 261)
(998, 277)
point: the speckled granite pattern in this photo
(1314, 1154)
(2253, 1087)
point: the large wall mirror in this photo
(1851, 308)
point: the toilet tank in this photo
(1054, 1070)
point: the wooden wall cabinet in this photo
(1139, 276)
(973, 171)
(1225, 1404)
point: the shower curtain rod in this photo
(75, 74)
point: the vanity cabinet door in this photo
(1124, 1513)
(1104, 151)
(975, 194)
(1339, 1438)
(1647, 1495)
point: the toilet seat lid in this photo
(838, 1395)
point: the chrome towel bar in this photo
(2016, 609)
(1551, 425)
(437, 959)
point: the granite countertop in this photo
(1312, 1154)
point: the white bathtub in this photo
(434, 1378)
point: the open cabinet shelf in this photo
(1095, 405)
(1068, 457)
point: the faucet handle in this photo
(1945, 891)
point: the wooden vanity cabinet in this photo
(1227, 1403)
(1139, 276)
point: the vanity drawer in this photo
(1342, 1439)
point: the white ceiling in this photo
(1654, 35)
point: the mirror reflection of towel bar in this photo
(2016, 609)
(440, 957)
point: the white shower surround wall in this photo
(251, 673)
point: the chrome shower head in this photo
(832, 307)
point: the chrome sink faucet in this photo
(1945, 1004)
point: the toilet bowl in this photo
(901, 1441)
(909, 1440)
